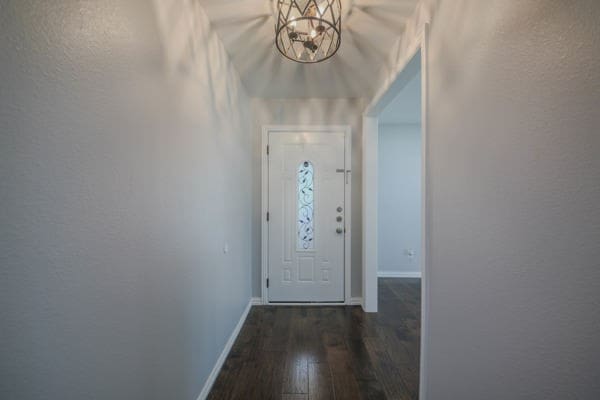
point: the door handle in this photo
(339, 231)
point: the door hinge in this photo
(267, 149)
(267, 283)
(268, 215)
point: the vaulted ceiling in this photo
(369, 29)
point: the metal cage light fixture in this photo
(308, 31)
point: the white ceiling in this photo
(406, 107)
(246, 28)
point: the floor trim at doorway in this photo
(396, 274)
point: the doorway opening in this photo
(399, 185)
(395, 206)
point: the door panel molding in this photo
(283, 129)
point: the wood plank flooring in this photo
(322, 353)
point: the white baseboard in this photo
(221, 360)
(397, 274)
(256, 301)
(356, 301)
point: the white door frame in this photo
(346, 130)
(417, 51)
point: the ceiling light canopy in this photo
(308, 31)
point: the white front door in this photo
(306, 216)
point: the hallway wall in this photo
(124, 170)
(514, 172)
(399, 200)
(309, 112)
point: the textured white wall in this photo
(399, 199)
(514, 189)
(309, 112)
(120, 182)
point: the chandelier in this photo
(308, 31)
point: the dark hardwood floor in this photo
(310, 353)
